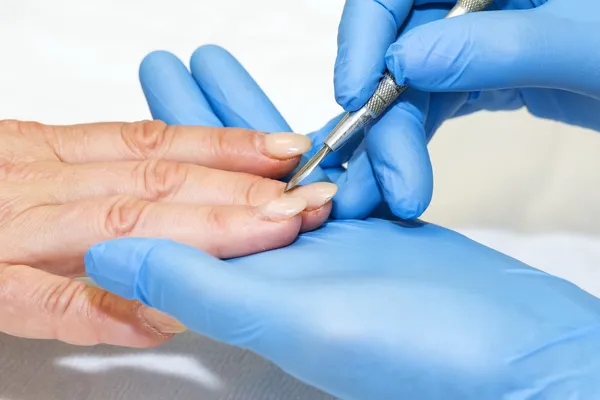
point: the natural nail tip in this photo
(160, 322)
(285, 145)
(316, 194)
(283, 208)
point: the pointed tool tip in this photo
(290, 185)
(308, 168)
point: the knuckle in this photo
(161, 179)
(77, 300)
(61, 297)
(27, 140)
(9, 126)
(217, 143)
(29, 128)
(10, 285)
(226, 142)
(9, 170)
(19, 171)
(216, 220)
(257, 190)
(148, 139)
(97, 306)
(123, 215)
(15, 200)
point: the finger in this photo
(360, 61)
(494, 100)
(397, 148)
(221, 148)
(395, 168)
(358, 192)
(224, 231)
(172, 93)
(466, 53)
(233, 94)
(37, 305)
(236, 98)
(171, 182)
(367, 29)
(192, 286)
(443, 106)
(152, 180)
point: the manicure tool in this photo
(386, 93)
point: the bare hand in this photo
(65, 188)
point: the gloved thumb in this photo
(498, 50)
(200, 291)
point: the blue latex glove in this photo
(219, 92)
(374, 309)
(538, 54)
(369, 309)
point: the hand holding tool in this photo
(386, 93)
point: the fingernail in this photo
(316, 194)
(159, 321)
(282, 208)
(284, 145)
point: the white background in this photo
(68, 61)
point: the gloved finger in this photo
(194, 287)
(236, 98)
(172, 94)
(397, 148)
(233, 94)
(358, 192)
(425, 13)
(443, 106)
(398, 160)
(467, 54)
(35, 304)
(493, 100)
(367, 29)
(230, 149)
(349, 203)
(224, 231)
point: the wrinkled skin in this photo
(65, 188)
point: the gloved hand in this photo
(219, 92)
(538, 54)
(365, 309)
(377, 310)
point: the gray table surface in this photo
(189, 367)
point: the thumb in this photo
(200, 291)
(39, 305)
(498, 50)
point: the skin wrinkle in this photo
(102, 143)
(312, 220)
